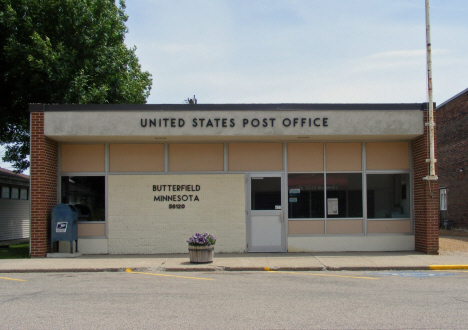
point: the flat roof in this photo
(228, 107)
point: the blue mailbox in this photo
(65, 225)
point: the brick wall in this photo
(44, 153)
(452, 132)
(426, 197)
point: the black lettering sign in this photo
(176, 197)
(230, 122)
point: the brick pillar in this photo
(44, 156)
(426, 197)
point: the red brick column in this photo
(44, 156)
(426, 197)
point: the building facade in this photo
(259, 177)
(452, 130)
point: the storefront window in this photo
(305, 196)
(87, 194)
(344, 195)
(388, 196)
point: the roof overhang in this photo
(280, 122)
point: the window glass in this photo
(6, 192)
(388, 196)
(24, 193)
(87, 193)
(305, 196)
(14, 193)
(344, 195)
(266, 193)
(443, 199)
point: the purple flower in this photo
(205, 239)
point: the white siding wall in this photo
(14, 219)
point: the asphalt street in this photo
(232, 300)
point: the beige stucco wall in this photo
(196, 157)
(136, 157)
(344, 226)
(255, 156)
(91, 229)
(343, 156)
(388, 226)
(305, 157)
(139, 225)
(306, 227)
(83, 157)
(387, 155)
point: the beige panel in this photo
(196, 157)
(83, 158)
(91, 229)
(388, 226)
(305, 157)
(387, 156)
(344, 226)
(306, 227)
(136, 158)
(343, 156)
(255, 156)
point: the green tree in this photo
(62, 51)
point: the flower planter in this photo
(201, 254)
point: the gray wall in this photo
(96, 125)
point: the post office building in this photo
(259, 177)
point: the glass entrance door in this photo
(265, 217)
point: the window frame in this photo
(3, 195)
(324, 194)
(443, 199)
(15, 193)
(409, 193)
(21, 194)
(81, 174)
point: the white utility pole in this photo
(432, 175)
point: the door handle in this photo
(281, 216)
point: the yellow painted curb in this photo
(445, 267)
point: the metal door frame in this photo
(248, 210)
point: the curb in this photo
(377, 268)
(235, 269)
(447, 267)
(63, 270)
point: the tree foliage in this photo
(62, 51)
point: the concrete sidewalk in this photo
(239, 262)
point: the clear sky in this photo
(304, 51)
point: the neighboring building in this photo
(259, 177)
(14, 206)
(452, 159)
